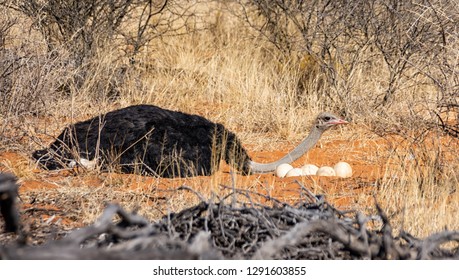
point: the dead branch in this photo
(8, 195)
(226, 230)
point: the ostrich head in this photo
(325, 121)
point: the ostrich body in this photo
(155, 141)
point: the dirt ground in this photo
(69, 199)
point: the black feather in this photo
(148, 139)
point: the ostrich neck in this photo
(299, 150)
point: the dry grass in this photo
(419, 189)
(230, 75)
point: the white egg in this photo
(343, 169)
(326, 171)
(282, 169)
(309, 169)
(88, 164)
(294, 172)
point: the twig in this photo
(8, 195)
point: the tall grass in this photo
(227, 72)
(419, 189)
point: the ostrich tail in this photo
(45, 158)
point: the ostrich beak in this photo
(338, 121)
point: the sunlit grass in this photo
(231, 76)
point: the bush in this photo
(404, 46)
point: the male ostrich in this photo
(151, 140)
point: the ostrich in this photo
(156, 141)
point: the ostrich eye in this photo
(327, 118)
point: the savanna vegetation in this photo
(264, 69)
